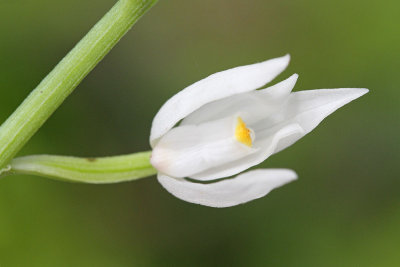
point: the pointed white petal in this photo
(309, 108)
(301, 114)
(186, 150)
(230, 192)
(252, 106)
(217, 86)
(280, 90)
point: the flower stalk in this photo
(65, 77)
(84, 170)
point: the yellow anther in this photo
(242, 133)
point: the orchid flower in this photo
(221, 126)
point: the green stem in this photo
(59, 83)
(86, 170)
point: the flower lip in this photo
(190, 149)
(243, 134)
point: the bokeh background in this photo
(343, 211)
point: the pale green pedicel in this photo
(52, 91)
(87, 170)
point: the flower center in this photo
(242, 133)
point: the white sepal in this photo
(217, 86)
(230, 192)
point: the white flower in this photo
(227, 126)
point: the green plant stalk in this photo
(86, 170)
(63, 79)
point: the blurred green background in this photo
(343, 211)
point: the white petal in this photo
(186, 150)
(217, 86)
(251, 105)
(266, 147)
(280, 90)
(306, 109)
(230, 192)
(309, 108)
